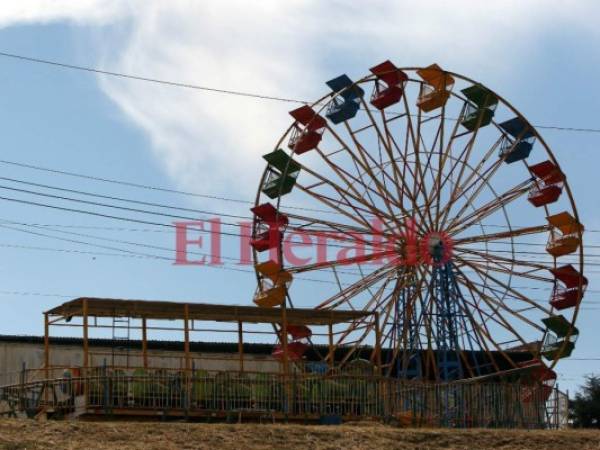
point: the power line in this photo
(150, 80)
(144, 186)
(161, 189)
(212, 89)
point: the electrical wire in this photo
(212, 89)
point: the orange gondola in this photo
(564, 234)
(436, 90)
(273, 284)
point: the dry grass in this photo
(27, 434)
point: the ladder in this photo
(121, 334)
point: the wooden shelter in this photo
(89, 310)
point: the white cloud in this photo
(211, 142)
(79, 11)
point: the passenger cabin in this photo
(549, 182)
(307, 136)
(565, 234)
(536, 377)
(557, 344)
(389, 85)
(573, 287)
(270, 225)
(295, 351)
(518, 146)
(282, 174)
(480, 108)
(346, 101)
(436, 89)
(273, 284)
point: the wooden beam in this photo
(331, 347)
(186, 334)
(85, 337)
(377, 343)
(241, 345)
(144, 343)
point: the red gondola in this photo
(394, 78)
(299, 331)
(570, 295)
(306, 139)
(549, 184)
(538, 379)
(295, 350)
(269, 228)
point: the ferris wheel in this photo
(430, 201)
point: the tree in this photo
(585, 408)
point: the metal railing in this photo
(108, 391)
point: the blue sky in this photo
(541, 56)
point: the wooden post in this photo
(186, 333)
(186, 349)
(331, 349)
(85, 352)
(144, 343)
(286, 368)
(85, 337)
(46, 343)
(241, 345)
(377, 344)
(46, 354)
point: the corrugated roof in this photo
(167, 310)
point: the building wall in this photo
(16, 355)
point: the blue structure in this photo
(447, 295)
(408, 364)
(346, 103)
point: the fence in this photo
(199, 393)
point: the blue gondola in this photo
(347, 101)
(519, 146)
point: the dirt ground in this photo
(27, 434)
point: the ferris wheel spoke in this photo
(391, 334)
(363, 161)
(483, 328)
(357, 287)
(334, 204)
(496, 306)
(502, 235)
(459, 189)
(497, 261)
(408, 173)
(365, 206)
(388, 148)
(391, 144)
(420, 188)
(351, 181)
(444, 153)
(341, 262)
(307, 221)
(512, 291)
(324, 236)
(409, 314)
(500, 201)
(385, 194)
(481, 331)
(480, 183)
(367, 326)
